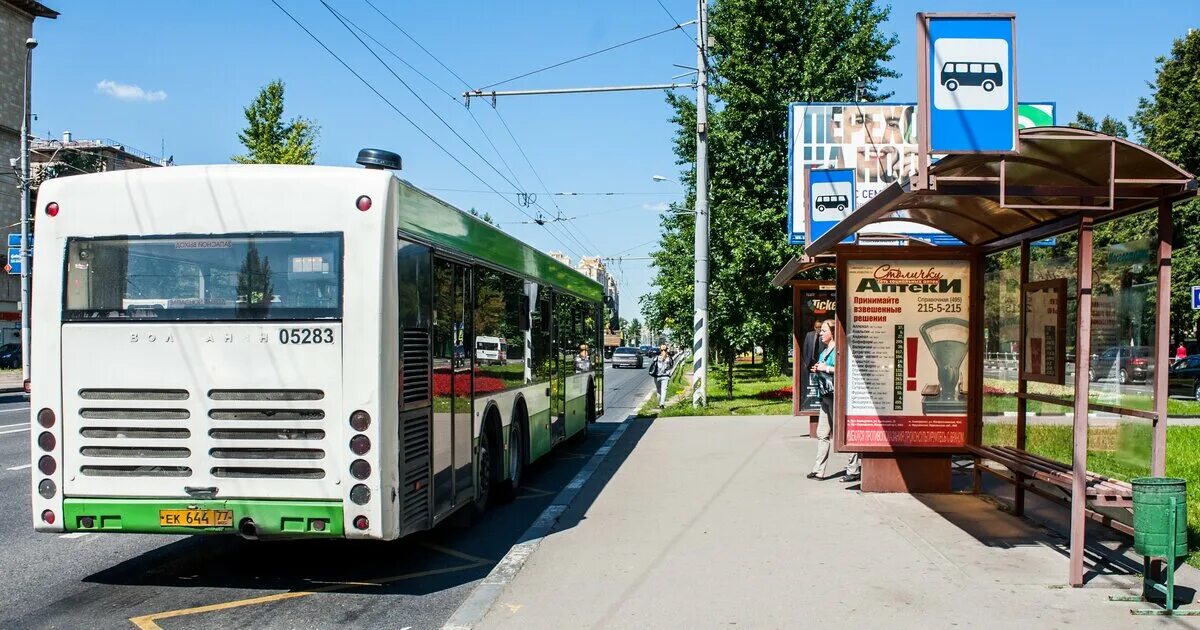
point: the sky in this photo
(173, 78)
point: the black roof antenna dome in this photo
(379, 159)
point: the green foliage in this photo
(270, 140)
(254, 280)
(1169, 124)
(67, 162)
(486, 217)
(767, 53)
(632, 332)
(1109, 125)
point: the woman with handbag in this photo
(823, 375)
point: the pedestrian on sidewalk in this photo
(822, 374)
(660, 370)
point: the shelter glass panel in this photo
(1001, 294)
(1123, 328)
(1055, 262)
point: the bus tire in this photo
(989, 85)
(487, 476)
(516, 460)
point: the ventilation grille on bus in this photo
(119, 438)
(415, 366)
(415, 477)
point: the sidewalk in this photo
(11, 381)
(706, 522)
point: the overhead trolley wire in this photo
(580, 57)
(396, 109)
(685, 33)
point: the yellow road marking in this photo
(455, 553)
(148, 622)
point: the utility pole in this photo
(700, 291)
(30, 44)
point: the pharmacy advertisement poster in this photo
(907, 332)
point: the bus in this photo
(285, 351)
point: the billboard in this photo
(878, 141)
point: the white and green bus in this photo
(289, 351)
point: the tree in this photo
(1109, 125)
(767, 53)
(66, 162)
(270, 140)
(1169, 124)
(486, 217)
(632, 332)
(254, 281)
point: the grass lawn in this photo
(753, 394)
(996, 402)
(1120, 451)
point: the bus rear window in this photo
(219, 277)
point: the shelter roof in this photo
(1060, 175)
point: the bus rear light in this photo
(87, 522)
(318, 525)
(52, 209)
(360, 420)
(360, 522)
(48, 517)
(363, 203)
(46, 441)
(360, 469)
(45, 418)
(359, 444)
(360, 494)
(47, 465)
(47, 489)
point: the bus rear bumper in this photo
(307, 519)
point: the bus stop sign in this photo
(830, 199)
(970, 93)
(1195, 298)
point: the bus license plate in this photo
(195, 518)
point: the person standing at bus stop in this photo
(660, 370)
(822, 374)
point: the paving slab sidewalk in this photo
(706, 522)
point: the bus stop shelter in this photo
(907, 419)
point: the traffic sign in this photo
(14, 261)
(1195, 298)
(830, 199)
(14, 240)
(970, 83)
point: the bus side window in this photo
(524, 313)
(544, 314)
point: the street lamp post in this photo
(30, 44)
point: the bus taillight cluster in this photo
(360, 469)
(46, 464)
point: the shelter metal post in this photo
(797, 340)
(1162, 348)
(1083, 351)
(1022, 384)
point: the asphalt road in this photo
(124, 581)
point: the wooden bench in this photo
(1101, 491)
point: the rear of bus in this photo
(190, 352)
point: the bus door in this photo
(453, 428)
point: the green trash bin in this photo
(1152, 516)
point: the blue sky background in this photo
(199, 63)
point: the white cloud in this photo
(127, 92)
(661, 206)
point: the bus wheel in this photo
(516, 462)
(486, 471)
(989, 85)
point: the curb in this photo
(484, 596)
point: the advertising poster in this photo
(1044, 322)
(878, 141)
(907, 335)
(816, 307)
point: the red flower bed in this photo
(783, 393)
(462, 383)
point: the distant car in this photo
(648, 351)
(1184, 377)
(10, 356)
(1129, 364)
(627, 357)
